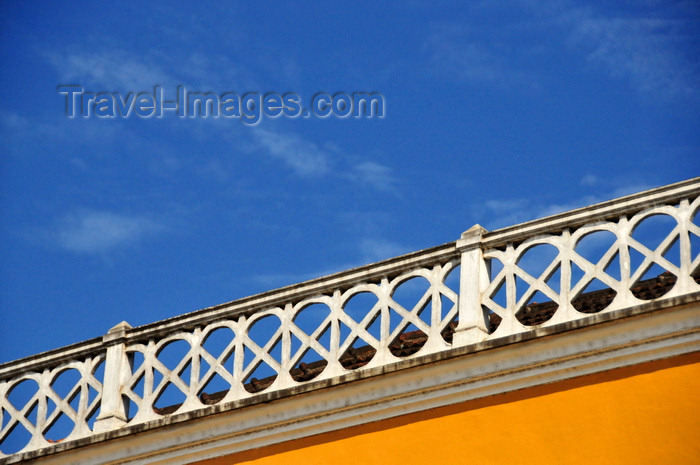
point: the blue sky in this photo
(497, 112)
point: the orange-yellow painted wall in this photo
(646, 414)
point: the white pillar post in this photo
(473, 280)
(117, 371)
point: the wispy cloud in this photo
(650, 45)
(652, 48)
(114, 68)
(373, 250)
(95, 232)
(108, 68)
(590, 180)
(503, 213)
(458, 55)
(275, 280)
(374, 174)
(24, 136)
(369, 251)
(12, 122)
(470, 60)
(305, 158)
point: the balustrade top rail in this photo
(486, 285)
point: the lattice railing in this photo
(316, 338)
(53, 404)
(597, 267)
(487, 285)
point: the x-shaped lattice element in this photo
(359, 329)
(63, 404)
(261, 354)
(539, 283)
(510, 271)
(216, 365)
(444, 290)
(452, 312)
(18, 416)
(413, 315)
(150, 364)
(596, 270)
(495, 284)
(137, 375)
(311, 341)
(656, 255)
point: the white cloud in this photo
(307, 159)
(37, 136)
(304, 157)
(589, 180)
(13, 122)
(456, 54)
(504, 206)
(108, 68)
(374, 174)
(541, 211)
(504, 213)
(370, 251)
(649, 45)
(471, 61)
(100, 231)
(373, 250)
(651, 50)
(275, 280)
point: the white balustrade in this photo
(487, 285)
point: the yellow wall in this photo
(647, 414)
